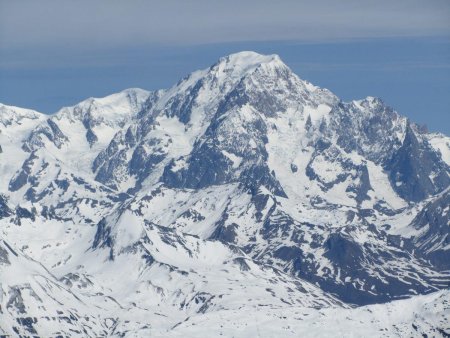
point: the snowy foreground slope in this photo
(243, 201)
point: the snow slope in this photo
(242, 201)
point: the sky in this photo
(55, 53)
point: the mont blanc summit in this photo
(241, 200)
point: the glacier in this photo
(243, 201)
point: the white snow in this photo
(148, 264)
(233, 158)
(441, 143)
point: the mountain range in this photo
(242, 201)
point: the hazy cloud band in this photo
(111, 23)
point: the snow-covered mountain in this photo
(242, 201)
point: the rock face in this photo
(432, 224)
(416, 171)
(241, 182)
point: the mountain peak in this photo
(249, 58)
(115, 99)
(245, 62)
(240, 174)
(116, 107)
(12, 114)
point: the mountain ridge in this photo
(239, 176)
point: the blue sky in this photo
(56, 53)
